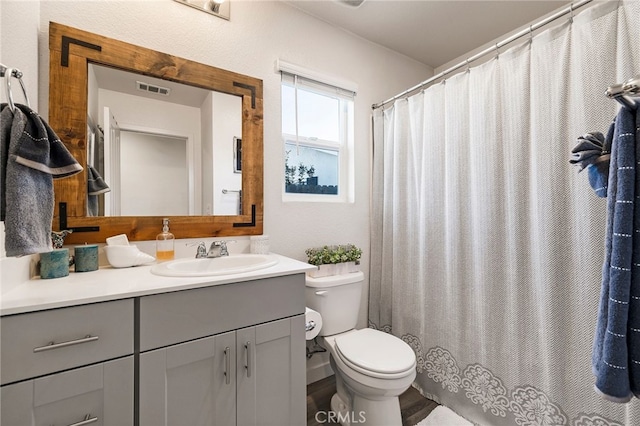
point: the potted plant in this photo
(334, 259)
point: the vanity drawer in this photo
(170, 318)
(39, 343)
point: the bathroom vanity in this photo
(126, 347)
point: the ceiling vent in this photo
(152, 88)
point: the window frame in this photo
(344, 146)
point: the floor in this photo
(413, 406)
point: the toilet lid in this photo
(376, 351)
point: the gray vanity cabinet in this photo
(271, 373)
(227, 354)
(224, 355)
(248, 377)
(96, 395)
(69, 366)
(191, 383)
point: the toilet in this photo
(372, 368)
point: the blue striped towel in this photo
(616, 348)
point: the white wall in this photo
(136, 113)
(206, 120)
(18, 19)
(259, 33)
(227, 124)
(221, 117)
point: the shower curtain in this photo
(487, 245)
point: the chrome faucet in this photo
(217, 249)
(201, 252)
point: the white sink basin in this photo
(225, 265)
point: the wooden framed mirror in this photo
(71, 53)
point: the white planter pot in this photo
(334, 269)
(353, 266)
(323, 271)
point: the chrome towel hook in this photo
(8, 73)
(626, 93)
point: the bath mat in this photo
(442, 416)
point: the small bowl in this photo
(126, 256)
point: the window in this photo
(317, 134)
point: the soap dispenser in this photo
(165, 242)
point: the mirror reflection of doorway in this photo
(154, 174)
(148, 171)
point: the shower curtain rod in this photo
(570, 9)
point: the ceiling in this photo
(125, 82)
(429, 31)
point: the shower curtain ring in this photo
(468, 69)
(571, 13)
(497, 51)
(530, 33)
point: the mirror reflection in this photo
(176, 146)
(71, 52)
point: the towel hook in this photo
(632, 86)
(8, 73)
(625, 93)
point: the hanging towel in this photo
(593, 152)
(31, 156)
(616, 349)
(95, 186)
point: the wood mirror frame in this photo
(70, 52)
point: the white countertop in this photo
(110, 283)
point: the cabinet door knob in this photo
(53, 345)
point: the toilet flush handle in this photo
(321, 292)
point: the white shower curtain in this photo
(487, 245)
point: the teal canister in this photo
(86, 258)
(54, 264)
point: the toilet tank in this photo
(337, 299)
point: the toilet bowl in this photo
(372, 368)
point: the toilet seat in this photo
(375, 353)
